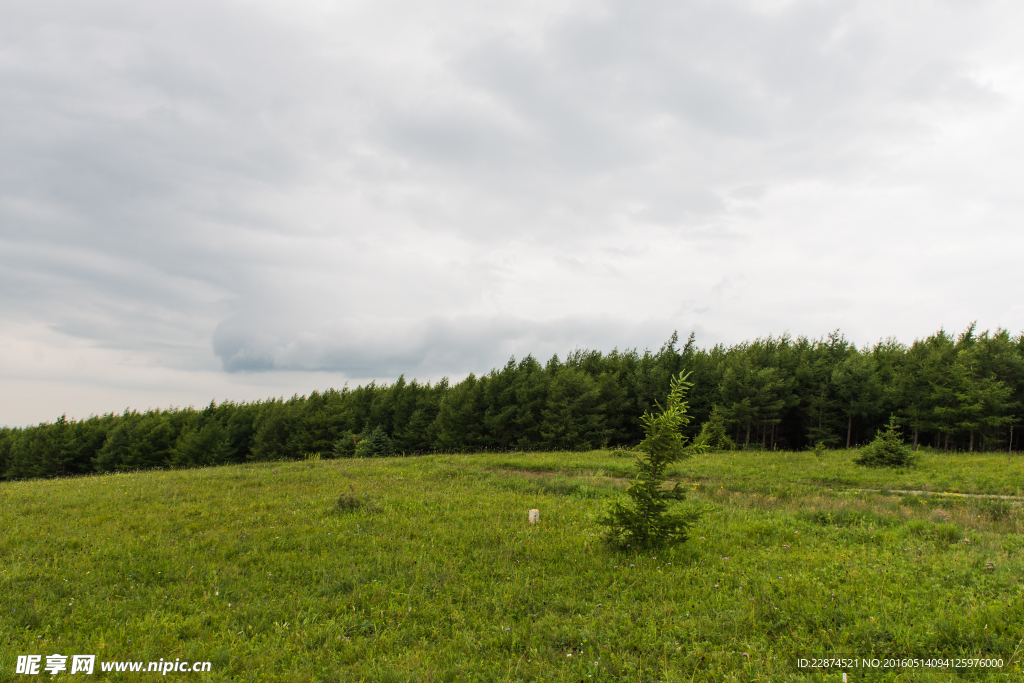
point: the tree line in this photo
(954, 392)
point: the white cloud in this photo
(258, 197)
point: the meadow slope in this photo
(425, 569)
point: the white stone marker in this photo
(534, 516)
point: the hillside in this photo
(425, 569)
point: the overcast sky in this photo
(233, 200)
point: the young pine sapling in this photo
(645, 519)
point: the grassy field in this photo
(425, 569)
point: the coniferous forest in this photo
(951, 392)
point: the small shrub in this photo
(950, 533)
(349, 502)
(843, 517)
(712, 433)
(375, 445)
(622, 451)
(919, 527)
(340, 587)
(942, 531)
(345, 447)
(996, 509)
(887, 450)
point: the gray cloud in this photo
(205, 187)
(430, 347)
(951, 83)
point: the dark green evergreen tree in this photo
(345, 446)
(415, 435)
(573, 419)
(376, 444)
(139, 441)
(273, 428)
(646, 519)
(738, 391)
(713, 435)
(460, 421)
(888, 449)
(317, 422)
(501, 408)
(240, 425)
(201, 443)
(6, 439)
(857, 389)
(531, 387)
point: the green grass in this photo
(425, 569)
(770, 471)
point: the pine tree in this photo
(199, 445)
(645, 520)
(345, 447)
(460, 419)
(888, 449)
(712, 433)
(856, 386)
(573, 419)
(376, 444)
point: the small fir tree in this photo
(888, 449)
(712, 433)
(645, 519)
(345, 447)
(376, 445)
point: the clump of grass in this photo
(1013, 543)
(912, 501)
(349, 502)
(940, 531)
(844, 517)
(995, 509)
